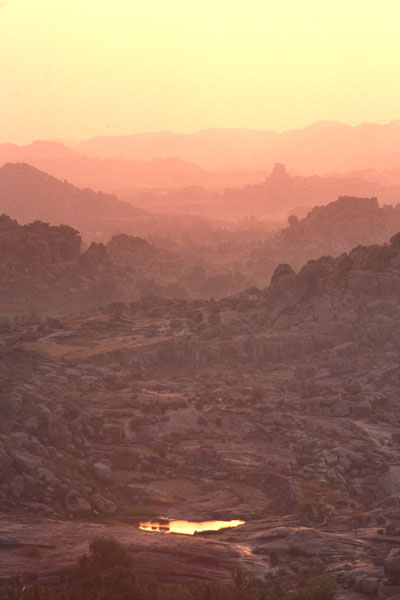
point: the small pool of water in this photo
(186, 527)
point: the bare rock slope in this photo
(278, 407)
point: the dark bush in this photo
(106, 574)
(317, 588)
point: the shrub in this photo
(294, 550)
(105, 573)
(107, 552)
(274, 557)
(317, 588)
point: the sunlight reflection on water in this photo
(186, 527)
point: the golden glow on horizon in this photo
(80, 68)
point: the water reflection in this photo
(186, 527)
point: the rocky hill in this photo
(43, 267)
(35, 247)
(332, 229)
(275, 196)
(277, 406)
(281, 193)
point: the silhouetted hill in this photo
(118, 174)
(322, 147)
(332, 230)
(280, 194)
(28, 194)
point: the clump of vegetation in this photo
(274, 557)
(258, 393)
(317, 588)
(106, 573)
(294, 550)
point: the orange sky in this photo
(80, 68)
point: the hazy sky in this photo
(80, 68)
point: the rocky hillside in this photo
(35, 247)
(332, 229)
(43, 267)
(277, 406)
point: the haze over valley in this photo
(199, 300)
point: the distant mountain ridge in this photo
(216, 159)
(322, 147)
(120, 175)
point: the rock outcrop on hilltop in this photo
(36, 247)
(40, 262)
(132, 251)
(333, 229)
(43, 266)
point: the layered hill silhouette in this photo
(120, 175)
(174, 172)
(331, 230)
(278, 195)
(28, 194)
(323, 147)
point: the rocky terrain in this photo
(45, 267)
(331, 229)
(186, 255)
(276, 406)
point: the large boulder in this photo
(305, 284)
(391, 566)
(341, 408)
(5, 463)
(278, 299)
(105, 506)
(95, 255)
(25, 461)
(48, 477)
(283, 275)
(17, 486)
(36, 246)
(58, 428)
(103, 472)
(75, 504)
(343, 266)
(125, 459)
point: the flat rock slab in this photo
(168, 557)
(312, 542)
